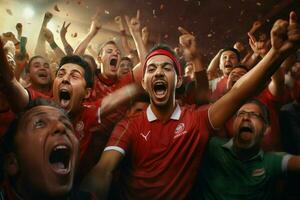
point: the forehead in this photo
(228, 53)
(251, 107)
(43, 110)
(71, 67)
(110, 46)
(159, 59)
(39, 60)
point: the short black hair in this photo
(233, 50)
(27, 67)
(264, 109)
(88, 73)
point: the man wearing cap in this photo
(162, 147)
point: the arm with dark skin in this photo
(285, 36)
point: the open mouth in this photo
(43, 75)
(64, 97)
(113, 62)
(246, 133)
(160, 88)
(60, 158)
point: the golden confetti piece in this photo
(56, 8)
(9, 12)
(106, 12)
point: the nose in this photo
(159, 72)
(58, 128)
(66, 79)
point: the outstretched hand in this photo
(285, 36)
(6, 70)
(188, 44)
(96, 23)
(64, 29)
(134, 23)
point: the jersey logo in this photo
(145, 136)
(258, 172)
(179, 131)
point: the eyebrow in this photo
(163, 64)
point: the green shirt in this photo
(224, 176)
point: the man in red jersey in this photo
(71, 87)
(164, 145)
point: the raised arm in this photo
(99, 179)
(284, 38)
(213, 66)
(191, 53)
(134, 28)
(40, 48)
(50, 39)
(94, 28)
(16, 95)
(63, 31)
(124, 40)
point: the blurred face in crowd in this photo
(110, 58)
(39, 72)
(126, 66)
(234, 76)
(227, 61)
(46, 153)
(69, 87)
(248, 126)
(160, 80)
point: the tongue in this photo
(246, 135)
(59, 165)
(160, 92)
(64, 103)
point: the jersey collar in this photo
(175, 116)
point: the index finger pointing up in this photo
(138, 14)
(182, 30)
(293, 18)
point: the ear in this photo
(143, 84)
(88, 92)
(179, 81)
(11, 165)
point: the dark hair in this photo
(169, 49)
(88, 73)
(126, 58)
(241, 67)
(27, 67)
(233, 50)
(263, 108)
(106, 43)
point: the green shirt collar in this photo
(229, 146)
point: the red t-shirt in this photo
(164, 158)
(5, 119)
(35, 93)
(103, 86)
(220, 90)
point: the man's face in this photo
(69, 87)
(227, 61)
(125, 67)
(234, 76)
(110, 59)
(248, 126)
(46, 151)
(160, 80)
(39, 72)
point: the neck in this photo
(163, 113)
(245, 154)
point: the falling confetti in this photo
(166, 36)
(56, 8)
(67, 14)
(209, 35)
(74, 35)
(106, 12)
(242, 12)
(258, 3)
(199, 3)
(229, 6)
(9, 12)
(161, 6)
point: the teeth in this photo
(60, 147)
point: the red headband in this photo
(166, 53)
